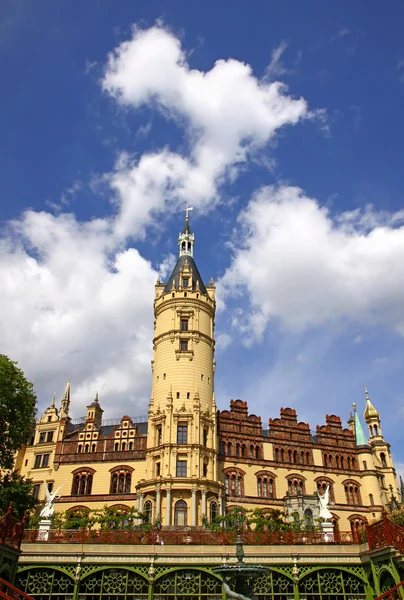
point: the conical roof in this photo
(360, 438)
(174, 279)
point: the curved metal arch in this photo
(384, 568)
(273, 569)
(185, 568)
(337, 568)
(99, 569)
(50, 567)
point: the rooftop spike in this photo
(360, 438)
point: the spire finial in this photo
(187, 209)
(96, 397)
(53, 401)
(354, 406)
(366, 391)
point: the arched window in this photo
(357, 524)
(277, 454)
(251, 451)
(228, 448)
(352, 493)
(82, 481)
(93, 447)
(214, 511)
(116, 446)
(121, 479)
(383, 460)
(130, 445)
(221, 448)
(87, 448)
(375, 430)
(296, 485)
(234, 481)
(308, 517)
(237, 449)
(265, 484)
(257, 452)
(148, 511)
(80, 448)
(123, 447)
(371, 500)
(282, 455)
(180, 513)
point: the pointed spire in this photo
(53, 401)
(370, 411)
(65, 404)
(186, 239)
(96, 397)
(360, 438)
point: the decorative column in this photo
(158, 502)
(222, 505)
(141, 496)
(193, 508)
(168, 508)
(203, 503)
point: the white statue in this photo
(49, 507)
(324, 500)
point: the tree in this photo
(14, 488)
(17, 410)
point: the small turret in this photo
(65, 403)
(372, 418)
(94, 412)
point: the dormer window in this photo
(185, 282)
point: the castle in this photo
(187, 462)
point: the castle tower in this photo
(381, 451)
(181, 484)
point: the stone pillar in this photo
(220, 502)
(222, 505)
(158, 503)
(141, 496)
(168, 508)
(327, 529)
(44, 528)
(193, 509)
(203, 503)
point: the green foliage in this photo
(397, 515)
(14, 488)
(108, 517)
(17, 410)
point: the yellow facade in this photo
(189, 463)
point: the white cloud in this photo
(276, 67)
(228, 115)
(73, 304)
(299, 264)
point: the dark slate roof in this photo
(175, 275)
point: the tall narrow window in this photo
(182, 434)
(181, 468)
(184, 324)
(184, 345)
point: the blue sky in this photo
(114, 115)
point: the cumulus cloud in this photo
(302, 265)
(228, 115)
(71, 306)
